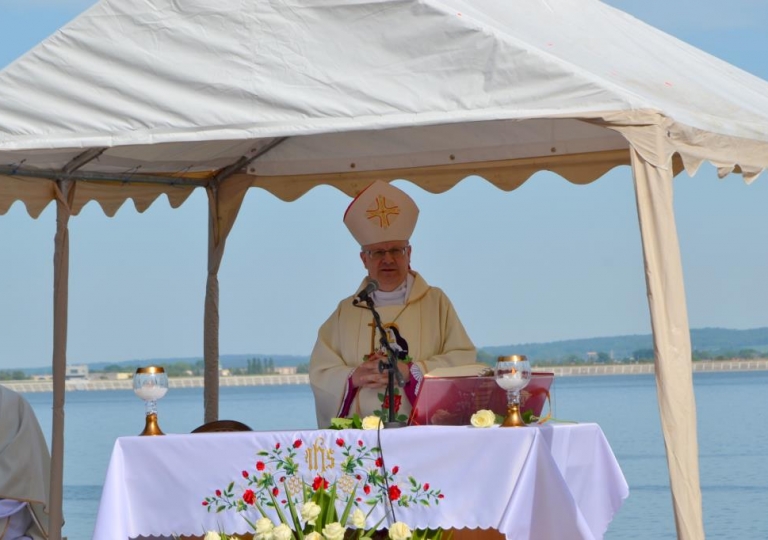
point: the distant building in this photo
(288, 370)
(76, 372)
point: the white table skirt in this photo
(551, 482)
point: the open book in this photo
(452, 400)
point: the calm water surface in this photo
(733, 443)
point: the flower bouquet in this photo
(279, 503)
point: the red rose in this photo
(394, 493)
(318, 482)
(249, 497)
(358, 477)
(379, 462)
(426, 486)
(218, 493)
(367, 489)
(358, 499)
(385, 403)
(277, 446)
(297, 443)
(260, 465)
(440, 496)
(339, 442)
(275, 491)
(395, 469)
(205, 503)
(282, 478)
(359, 443)
(245, 474)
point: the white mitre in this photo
(381, 213)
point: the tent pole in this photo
(225, 198)
(671, 341)
(64, 192)
(211, 314)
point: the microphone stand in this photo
(390, 365)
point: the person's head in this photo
(387, 262)
(382, 219)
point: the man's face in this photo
(387, 263)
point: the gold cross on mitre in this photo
(382, 211)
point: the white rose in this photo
(483, 418)
(334, 531)
(264, 528)
(371, 422)
(212, 535)
(358, 518)
(399, 531)
(309, 512)
(314, 535)
(282, 532)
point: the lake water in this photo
(733, 443)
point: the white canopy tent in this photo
(136, 98)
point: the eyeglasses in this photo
(395, 253)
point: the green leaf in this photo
(341, 423)
(277, 508)
(294, 515)
(348, 507)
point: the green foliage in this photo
(643, 354)
(708, 344)
(347, 423)
(15, 375)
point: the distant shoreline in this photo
(274, 380)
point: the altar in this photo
(554, 481)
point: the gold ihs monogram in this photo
(319, 458)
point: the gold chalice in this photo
(513, 373)
(150, 384)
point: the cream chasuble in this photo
(427, 322)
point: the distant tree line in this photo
(644, 355)
(16, 375)
(256, 366)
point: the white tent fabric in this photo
(139, 98)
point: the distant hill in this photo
(710, 340)
(225, 360)
(706, 342)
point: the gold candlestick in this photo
(513, 373)
(150, 384)
(513, 418)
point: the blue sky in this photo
(548, 261)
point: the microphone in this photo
(364, 295)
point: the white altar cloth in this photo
(549, 482)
